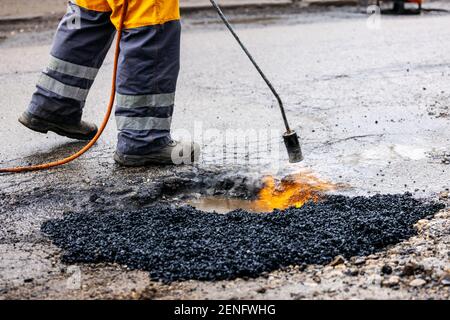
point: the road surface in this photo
(370, 102)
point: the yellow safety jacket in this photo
(140, 12)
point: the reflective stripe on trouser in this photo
(80, 45)
(146, 83)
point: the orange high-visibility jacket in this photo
(140, 12)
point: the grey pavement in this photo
(370, 102)
(363, 101)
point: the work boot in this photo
(174, 153)
(80, 131)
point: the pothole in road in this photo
(273, 193)
(223, 204)
(176, 242)
(134, 226)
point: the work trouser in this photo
(147, 73)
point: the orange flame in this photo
(292, 191)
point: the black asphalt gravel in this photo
(180, 243)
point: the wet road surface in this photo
(371, 107)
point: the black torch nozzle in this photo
(293, 146)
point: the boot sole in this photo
(43, 126)
(139, 161)
(130, 161)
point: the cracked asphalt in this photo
(371, 107)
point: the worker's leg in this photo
(147, 75)
(81, 42)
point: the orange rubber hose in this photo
(76, 155)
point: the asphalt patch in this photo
(181, 243)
